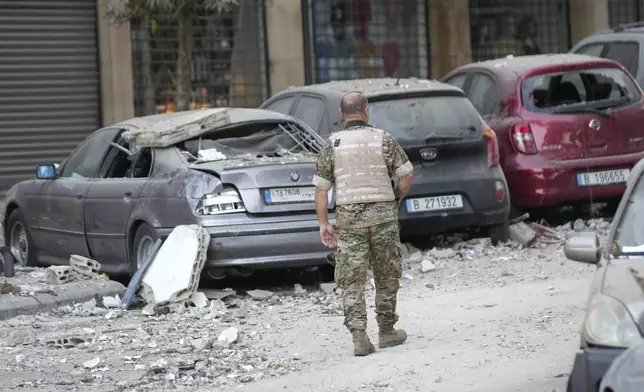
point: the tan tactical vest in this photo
(360, 170)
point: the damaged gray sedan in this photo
(243, 174)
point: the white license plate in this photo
(606, 177)
(289, 195)
(435, 203)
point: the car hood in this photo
(624, 280)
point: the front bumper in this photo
(590, 366)
(264, 245)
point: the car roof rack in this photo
(624, 26)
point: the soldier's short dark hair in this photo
(352, 103)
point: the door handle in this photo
(128, 194)
(79, 196)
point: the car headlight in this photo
(224, 202)
(609, 323)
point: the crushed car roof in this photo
(523, 64)
(379, 86)
(163, 130)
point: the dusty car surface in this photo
(569, 126)
(458, 182)
(243, 174)
(615, 314)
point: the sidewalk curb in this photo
(69, 293)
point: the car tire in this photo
(143, 241)
(498, 233)
(19, 240)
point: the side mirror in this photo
(46, 172)
(583, 247)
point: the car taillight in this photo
(522, 139)
(492, 147)
(500, 191)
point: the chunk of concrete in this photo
(427, 266)
(174, 274)
(112, 302)
(260, 295)
(199, 299)
(84, 266)
(59, 274)
(228, 337)
(327, 288)
(523, 234)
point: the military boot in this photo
(391, 337)
(361, 344)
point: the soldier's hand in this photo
(327, 235)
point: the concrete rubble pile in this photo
(232, 340)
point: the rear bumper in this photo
(264, 245)
(590, 366)
(480, 206)
(549, 183)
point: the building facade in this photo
(66, 69)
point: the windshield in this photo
(418, 118)
(251, 141)
(629, 235)
(571, 91)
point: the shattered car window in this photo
(590, 88)
(255, 140)
(629, 235)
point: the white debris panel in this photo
(173, 276)
(178, 128)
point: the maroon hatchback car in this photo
(570, 127)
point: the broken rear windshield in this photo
(250, 141)
(570, 91)
(418, 118)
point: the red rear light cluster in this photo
(500, 191)
(492, 147)
(522, 138)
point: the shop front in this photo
(368, 38)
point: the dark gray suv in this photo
(458, 181)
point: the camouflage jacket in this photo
(362, 215)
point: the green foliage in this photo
(122, 10)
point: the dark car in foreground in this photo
(458, 182)
(570, 127)
(245, 175)
(615, 314)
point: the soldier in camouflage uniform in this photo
(361, 161)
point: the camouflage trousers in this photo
(377, 247)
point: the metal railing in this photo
(368, 39)
(518, 27)
(228, 66)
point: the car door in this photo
(61, 227)
(109, 202)
(311, 109)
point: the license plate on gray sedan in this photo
(289, 195)
(434, 203)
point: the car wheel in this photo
(498, 233)
(19, 240)
(144, 240)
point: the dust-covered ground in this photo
(479, 318)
